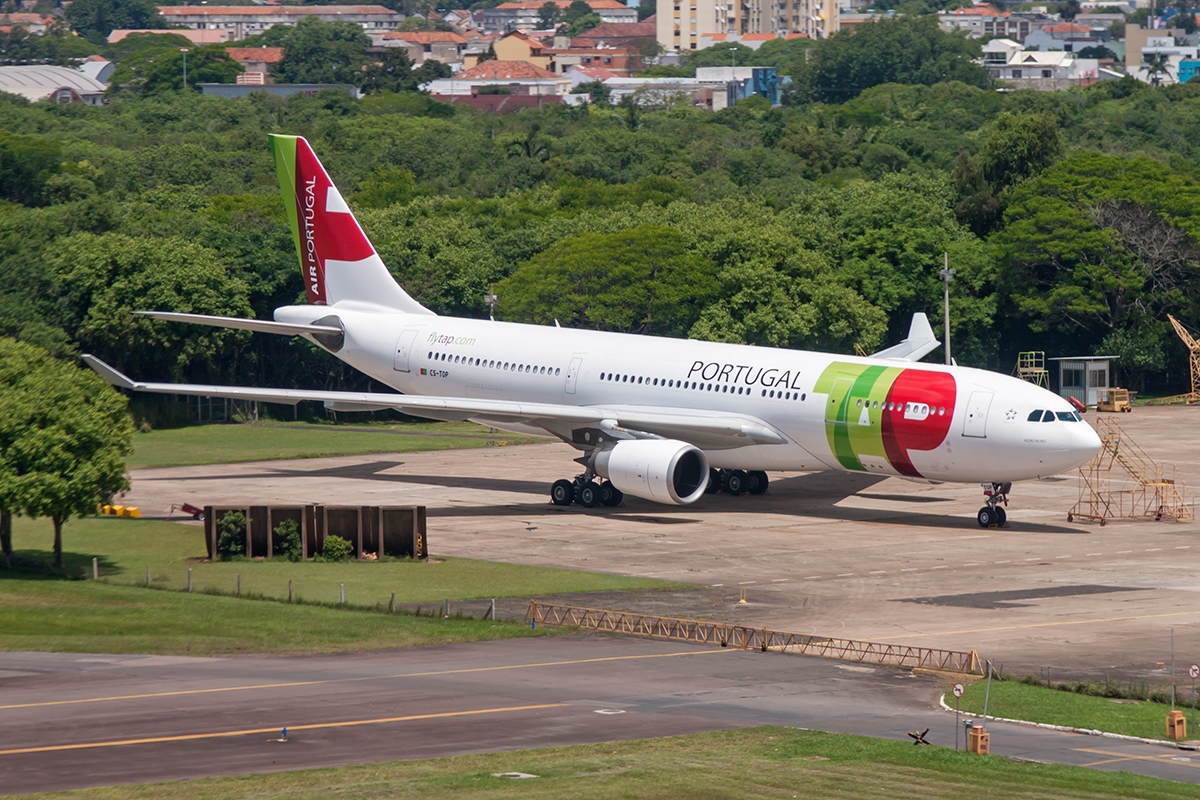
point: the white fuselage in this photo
(886, 417)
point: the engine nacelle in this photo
(662, 470)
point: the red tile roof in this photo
(1067, 27)
(623, 30)
(507, 71)
(791, 36)
(425, 37)
(759, 37)
(595, 73)
(269, 55)
(718, 37)
(537, 4)
(979, 11)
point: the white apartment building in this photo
(242, 21)
(694, 24)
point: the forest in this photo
(1072, 220)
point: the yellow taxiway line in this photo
(248, 731)
(184, 692)
(1118, 757)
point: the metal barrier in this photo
(747, 638)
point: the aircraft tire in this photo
(758, 482)
(714, 481)
(1001, 517)
(986, 517)
(562, 493)
(736, 482)
(588, 495)
(610, 495)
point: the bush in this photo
(337, 549)
(231, 535)
(287, 540)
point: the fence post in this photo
(341, 594)
(189, 580)
(392, 604)
(239, 584)
(493, 609)
(95, 568)
(147, 576)
(289, 590)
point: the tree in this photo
(160, 69)
(642, 280)
(581, 25)
(1156, 66)
(64, 435)
(646, 8)
(96, 19)
(26, 163)
(577, 10)
(598, 91)
(549, 15)
(904, 50)
(323, 52)
(1097, 51)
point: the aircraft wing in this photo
(918, 344)
(707, 430)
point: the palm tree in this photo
(1156, 66)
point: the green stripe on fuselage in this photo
(855, 430)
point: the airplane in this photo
(666, 420)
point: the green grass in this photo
(126, 547)
(1016, 700)
(39, 610)
(763, 762)
(91, 617)
(227, 444)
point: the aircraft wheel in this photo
(611, 495)
(736, 482)
(714, 481)
(1001, 517)
(986, 517)
(588, 495)
(758, 482)
(562, 493)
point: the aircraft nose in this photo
(1085, 444)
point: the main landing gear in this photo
(992, 515)
(736, 481)
(585, 491)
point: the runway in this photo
(76, 721)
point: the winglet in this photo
(919, 342)
(109, 374)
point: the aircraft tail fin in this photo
(338, 262)
(919, 342)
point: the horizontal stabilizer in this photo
(709, 430)
(260, 325)
(919, 343)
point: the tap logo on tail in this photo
(877, 415)
(323, 227)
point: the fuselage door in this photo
(975, 422)
(573, 374)
(404, 348)
(839, 398)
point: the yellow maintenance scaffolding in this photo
(1123, 482)
(1031, 366)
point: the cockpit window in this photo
(1068, 416)
(1048, 416)
(1035, 416)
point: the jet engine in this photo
(662, 470)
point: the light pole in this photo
(732, 61)
(184, 50)
(946, 275)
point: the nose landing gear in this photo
(992, 515)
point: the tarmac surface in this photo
(76, 721)
(831, 554)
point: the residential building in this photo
(443, 46)
(621, 61)
(34, 23)
(256, 62)
(985, 21)
(243, 21)
(53, 84)
(697, 24)
(527, 14)
(1136, 39)
(1068, 36)
(519, 77)
(997, 52)
(98, 68)
(1047, 71)
(519, 46)
(1174, 56)
(681, 23)
(627, 35)
(579, 75)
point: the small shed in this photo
(1082, 376)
